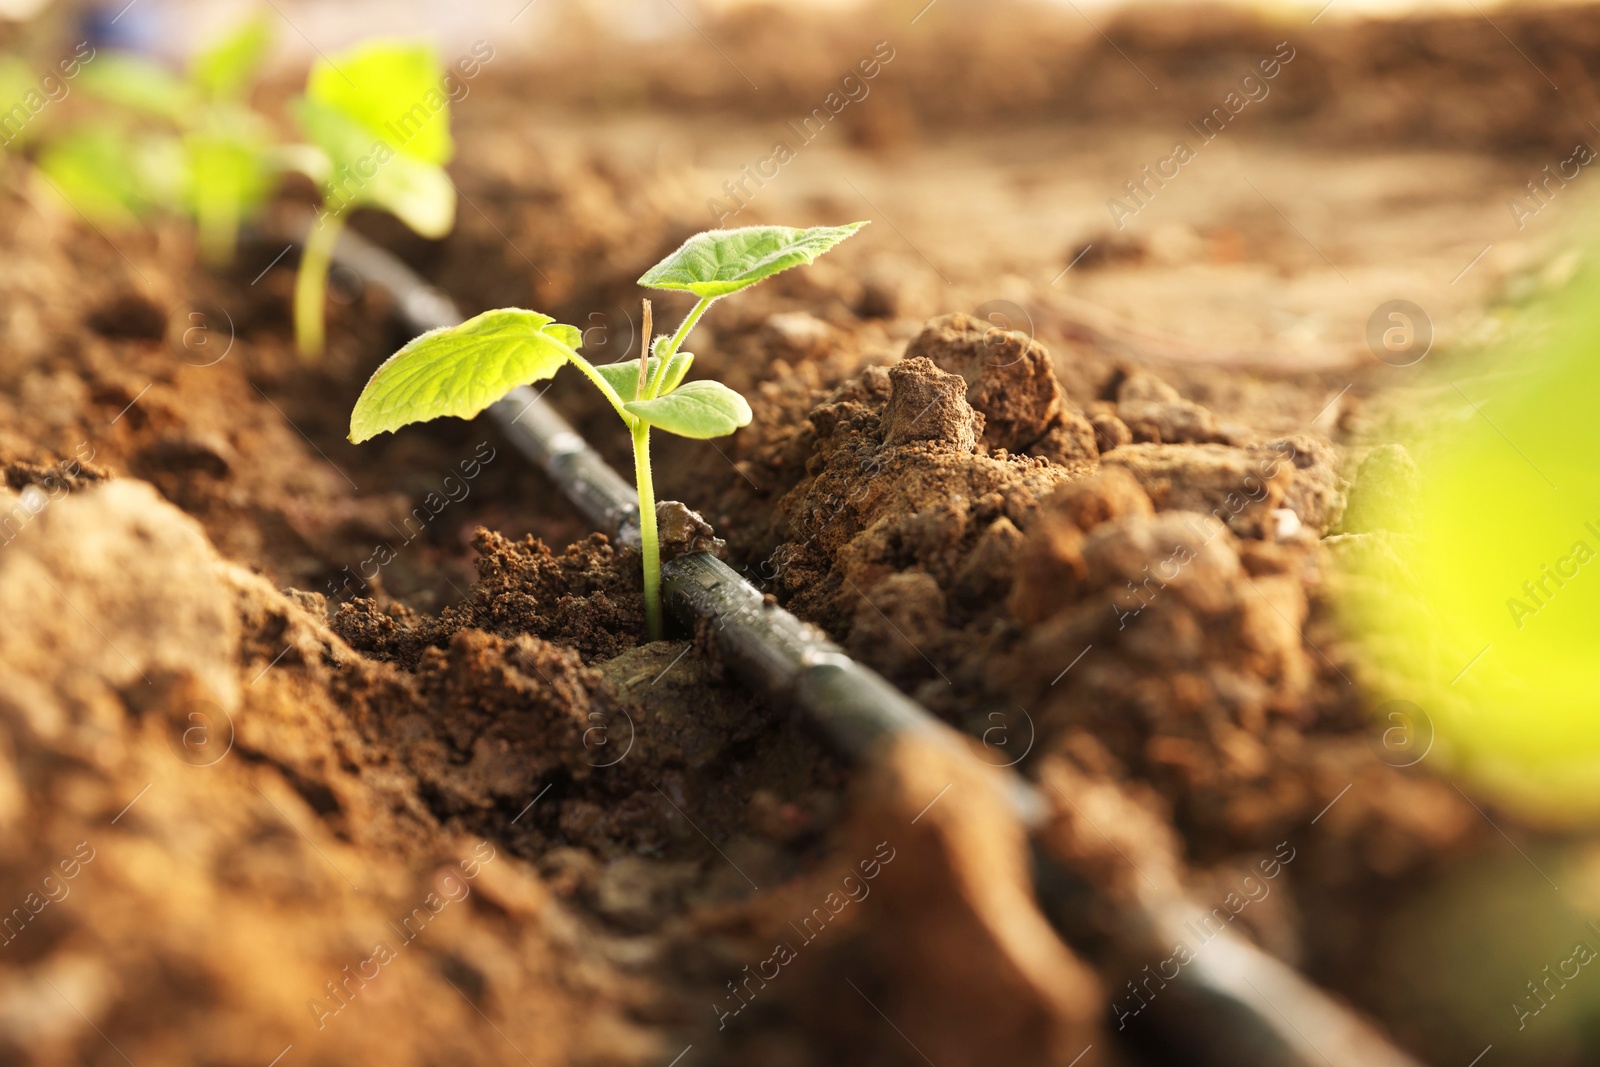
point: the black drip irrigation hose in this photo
(1233, 1004)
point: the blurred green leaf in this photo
(95, 168)
(1486, 616)
(418, 194)
(393, 91)
(15, 80)
(141, 85)
(305, 159)
(367, 171)
(18, 125)
(226, 68)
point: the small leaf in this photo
(395, 91)
(225, 69)
(139, 84)
(677, 367)
(460, 370)
(719, 262)
(624, 376)
(700, 410)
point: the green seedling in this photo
(461, 370)
(197, 148)
(380, 116)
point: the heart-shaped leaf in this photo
(699, 409)
(460, 370)
(719, 262)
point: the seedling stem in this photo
(649, 538)
(311, 284)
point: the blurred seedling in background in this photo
(380, 118)
(461, 370)
(189, 144)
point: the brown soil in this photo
(361, 750)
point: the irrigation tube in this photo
(1233, 1004)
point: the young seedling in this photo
(207, 155)
(381, 117)
(461, 370)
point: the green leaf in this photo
(624, 376)
(418, 194)
(366, 170)
(233, 170)
(91, 169)
(699, 409)
(460, 370)
(719, 262)
(20, 125)
(395, 91)
(305, 159)
(141, 85)
(345, 141)
(225, 69)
